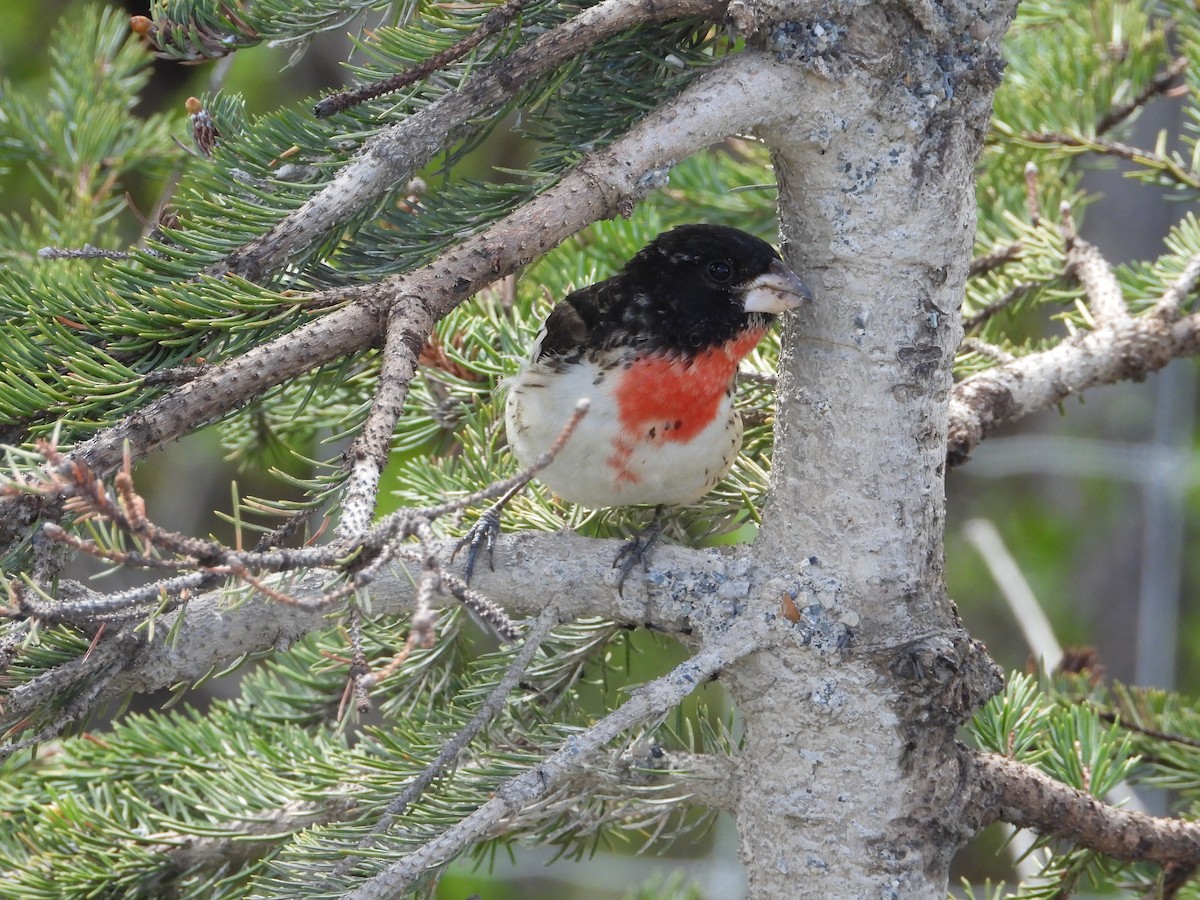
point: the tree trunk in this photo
(848, 786)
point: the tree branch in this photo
(996, 258)
(1015, 293)
(1120, 349)
(392, 156)
(644, 783)
(496, 19)
(1168, 306)
(1104, 297)
(687, 589)
(1165, 83)
(652, 699)
(488, 710)
(253, 838)
(1165, 165)
(368, 453)
(1021, 795)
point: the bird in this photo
(654, 350)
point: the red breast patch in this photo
(674, 398)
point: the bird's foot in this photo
(637, 550)
(482, 536)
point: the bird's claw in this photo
(482, 536)
(637, 550)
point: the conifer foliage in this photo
(324, 288)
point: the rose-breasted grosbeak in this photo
(655, 350)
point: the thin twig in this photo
(996, 258)
(487, 711)
(990, 352)
(494, 21)
(480, 604)
(161, 596)
(408, 326)
(647, 702)
(972, 322)
(1104, 146)
(1164, 83)
(87, 251)
(1155, 733)
(1171, 302)
(173, 375)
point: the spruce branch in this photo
(988, 351)
(709, 779)
(1085, 261)
(1145, 731)
(651, 700)
(358, 563)
(487, 711)
(254, 838)
(640, 789)
(1122, 348)
(77, 603)
(391, 157)
(734, 97)
(83, 681)
(1166, 84)
(360, 558)
(994, 259)
(1164, 165)
(493, 22)
(1019, 794)
(406, 335)
(211, 634)
(1167, 308)
(1012, 296)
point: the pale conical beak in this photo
(779, 290)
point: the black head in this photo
(698, 286)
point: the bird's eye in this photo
(720, 270)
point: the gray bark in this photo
(848, 773)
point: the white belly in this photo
(602, 464)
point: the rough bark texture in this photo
(847, 777)
(1011, 792)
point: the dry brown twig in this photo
(358, 562)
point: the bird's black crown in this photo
(684, 291)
